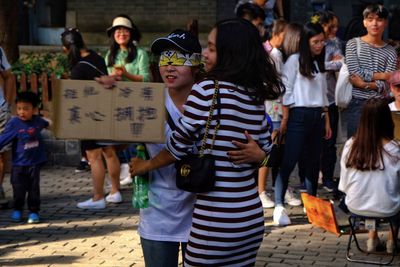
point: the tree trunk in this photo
(9, 28)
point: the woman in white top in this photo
(370, 169)
(304, 78)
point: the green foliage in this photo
(38, 63)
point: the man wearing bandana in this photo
(165, 225)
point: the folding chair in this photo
(393, 226)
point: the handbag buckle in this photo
(185, 170)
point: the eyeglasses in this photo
(122, 31)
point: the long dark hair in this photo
(376, 124)
(72, 40)
(306, 59)
(242, 60)
(132, 50)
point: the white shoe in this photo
(92, 205)
(267, 203)
(114, 198)
(281, 217)
(291, 199)
(124, 171)
(126, 181)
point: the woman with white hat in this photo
(124, 59)
(126, 62)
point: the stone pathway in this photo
(68, 236)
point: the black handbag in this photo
(196, 172)
(276, 154)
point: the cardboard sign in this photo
(133, 112)
(396, 120)
(320, 213)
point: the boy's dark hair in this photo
(27, 97)
(250, 12)
(377, 9)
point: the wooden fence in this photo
(40, 84)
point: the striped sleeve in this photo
(369, 61)
(190, 126)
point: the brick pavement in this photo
(69, 236)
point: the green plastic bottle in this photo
(140, 197)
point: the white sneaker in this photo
(92, 205)
(291, 199)
(281, 217)
(114, 198)
(126, 181)
(267, 203)
(124, 171)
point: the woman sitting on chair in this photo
(370, 170)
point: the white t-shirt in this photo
(372, 193)
(393, 107)
(169, 215)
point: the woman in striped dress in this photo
(228, 222)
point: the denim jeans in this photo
(353, 115)
(328, 155)
(161, 253)
(303, 138)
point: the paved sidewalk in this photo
(74, 237)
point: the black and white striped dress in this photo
(228, 223)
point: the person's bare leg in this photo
(113, 167)
(98, 172)
(262, 179)
(372, 234)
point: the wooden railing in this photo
(40, 84)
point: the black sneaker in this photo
(82, 167)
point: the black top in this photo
(89, 67)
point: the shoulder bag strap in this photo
(93, 66)
(214, 100)
(358, 46)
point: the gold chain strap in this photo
(203, 145)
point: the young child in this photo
(395, 89)
(28, 155)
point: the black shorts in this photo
(90, 145)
